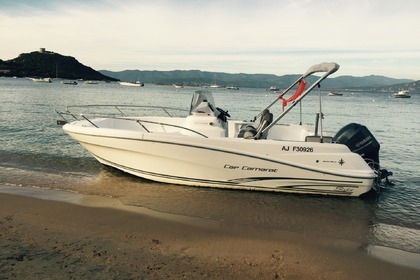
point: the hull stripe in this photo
(236, 182)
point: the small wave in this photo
(395, 256)
(397, 237)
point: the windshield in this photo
(199, 97)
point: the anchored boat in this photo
(206, 148)
(402, 94)
(132, 84)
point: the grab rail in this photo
(117, 107)
(141, 122)
(108, 114)
(166, 124)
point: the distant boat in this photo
(69, 83)
(178, 85)
(402, 94)
(273, 88)
(215, 86)
(90, 82)
(334, 93)
(131, 84)
(232, 88)
(41, 80)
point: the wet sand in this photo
(99, 238)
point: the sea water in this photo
(36, 153)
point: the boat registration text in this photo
(298, 149)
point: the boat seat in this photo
(247, 132)
(250, 132)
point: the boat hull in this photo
(265, 165)
(402, 94)
(131, 84)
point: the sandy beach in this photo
(99, 238)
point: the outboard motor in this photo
(359, 140)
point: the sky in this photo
(366, 37)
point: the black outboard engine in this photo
(359, 140)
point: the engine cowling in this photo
(359, 140)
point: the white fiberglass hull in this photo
(129, 84)
(267, 165)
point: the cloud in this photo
(231, 35)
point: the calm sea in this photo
(36, 153)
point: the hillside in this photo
(197, 77)
(412, 87)
(49, 64)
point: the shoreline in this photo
(55, 234)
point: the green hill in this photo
(45, 64)
(197, 77)
(49, 64)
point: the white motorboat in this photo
(335, 93)
(132, 84)
(41, 80)
(205, 148)
(402, 94)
